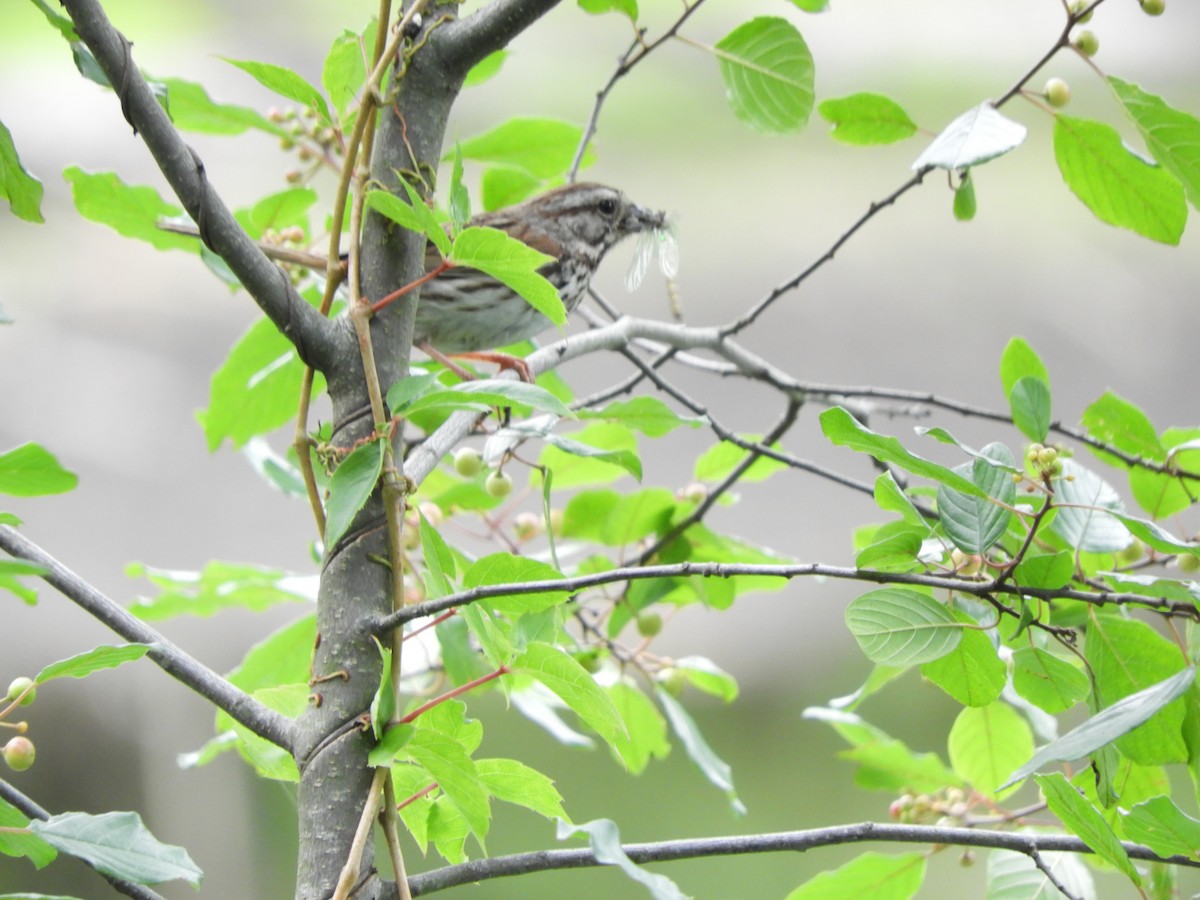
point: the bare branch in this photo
(29, 808)
(181, 666)
(461, 44)
(316, 339)
(1028, 843)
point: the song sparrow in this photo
(463, 310)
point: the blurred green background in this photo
(113, 345)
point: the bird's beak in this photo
(638, 218)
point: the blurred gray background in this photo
(114, 343)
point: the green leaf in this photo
(1030, 404)
(484, 395)
(389, 746)
(617, 520)
(1049, 683)
(974, 523)
(1118, 422)
(542, 148)
(1018, 361)
(279, 210)
(512, 263)
(1085, 821)
(350, 487)
(514, 782)
(506, 186)
(572, 684)
(11, 571)
(191, 109)
(715, 769)
(130, 211)
(22, 191)
(1118, 186)
(345, 68)
(1164, 495)
(15, 841)
(267, 759)
(972, 673)
(719, 461)
(649, 415)
(645, 735)
(485, 69)
(31, 470)
(1108, 724)
(1163, 827)
(254, 390)
(605, 841)
(901, 627)
(875, 875)
(84, 664)
(1126, 656)
(1173, 136)
(1014, 876)
(977, 136)
(845, 431)
(890, 498)
(812, 6)
(866, 119)
(276, 470)
(1045, 570)
(283, 657)
(118, 844)
(439, 560)
(285, 82)
(965, 205)
(1154, 536)
(707, 676)
(768, 73)
(460, 200)
(505, 568)
(414, 215)
(1085, 501)
(220, 586)
(596, 454)
(894, 547)
(985, 743)
(624, 7)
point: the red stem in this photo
(400, 292)
(451, 694)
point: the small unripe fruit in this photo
(591, 660)
(1153, 7)
(672, 680)
(1087, 43)
(498, 484)
(556, 522)
(19, 753)
(1131, 554)
(19, 687)
(1058, 93)
(694, 492)
(1033, 450)
(1187, 563)
(1047, 456)
(468, 462)
(649, 624)
(527, 525)
(1077, 7)
(967, 564)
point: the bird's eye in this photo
(607, 206)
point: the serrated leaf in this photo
(345, 67)
(1086, 822)
(715, 769)
(875, 875)
(485, 394)
(11, 571)
(1173, 136)
(977, 136)
(626, 459)
(649, 415)
(572, 684)
(719, 460)
(866, 118)
(503, 186)
(1047, 570)
(505, 568)
(512, 263)
(972, 673)
(1118, 186)
(439, 560)
(84, 664)
(605, 841)
(514, 782)
(350, 487)
(22, 191)
(846, 431)
(118, 844)
(1014, 876)
(1108, 724)
(974, 524)
(1116, 421)
(1084, 501)
(1163, 827)
(645, 735)
(31, 470)
(624, 7)
(131, 211)
(768, 73)
(16, 842)
(415, 216)
(901, 627)
(193, 110)
(283, 81)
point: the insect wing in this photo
(640, 265)
(668, 253)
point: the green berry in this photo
(498, 484)
(1087, 43)
(19, 687)
(1188, 564)
(649, 624)
(19, 753)
(1077, 7)
(1154, 7)
(1058, 93)
(672, 680)
(468, 462)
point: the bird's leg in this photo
(503, 360)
